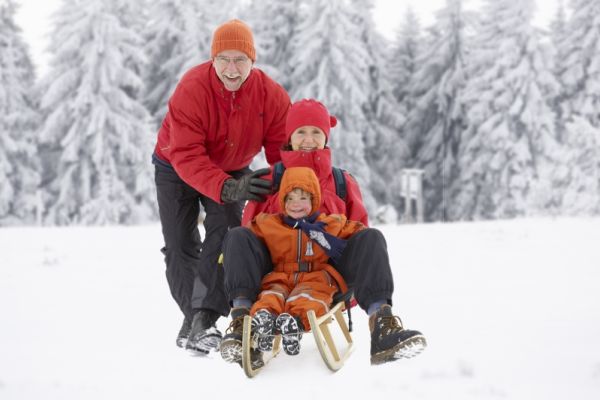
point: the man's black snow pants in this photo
(195, 279)
(364, 265)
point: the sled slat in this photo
(325, 343)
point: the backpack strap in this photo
(278, 170)
(340, 182)
(338, 176)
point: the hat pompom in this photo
(332, 121)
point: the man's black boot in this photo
(184, 333)
(204, 336)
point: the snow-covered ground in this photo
(511, 310)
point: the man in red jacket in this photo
(220, 116)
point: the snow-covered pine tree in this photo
(386, 150)
(437, 119)
(508, 152)
(136, 14)
(96, 132)
(579, 52)
(404, 56)
(558, 33)
(401, 68)
(177, 37)
(216, 13)
(331, 64)
(273, 23)
(19, 166)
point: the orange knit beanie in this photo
(233, 35)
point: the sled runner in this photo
(334, 356)
(247, 342)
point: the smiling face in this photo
(298, 203)
(308, 138)
(233, 68)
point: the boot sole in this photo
(205, 344)
(263, 343)
(408, 348)
(181, 342)
(290, 335)
(231, 351)
(291, 343)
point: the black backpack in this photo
(338, 176)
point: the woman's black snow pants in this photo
(364, 265)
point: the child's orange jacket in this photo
(302, 279)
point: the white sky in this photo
(34, 19)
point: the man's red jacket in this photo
(209, 130)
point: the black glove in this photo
(248, 187)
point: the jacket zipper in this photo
(299, 250)
(228, 143)
(299, 246)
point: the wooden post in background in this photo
(411, 188)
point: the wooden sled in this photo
(247, 346)
(333, 358)
(331, 354)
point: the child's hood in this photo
(303, 178)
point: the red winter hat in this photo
(308, 112)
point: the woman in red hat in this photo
(307, 130)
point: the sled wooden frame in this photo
(320, 330)
(333, 358)
(247, 345)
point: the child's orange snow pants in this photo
(296, 293)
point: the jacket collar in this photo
(295, 223)
(318, 160)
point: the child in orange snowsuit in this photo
(302, 243)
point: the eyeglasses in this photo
(238, 61)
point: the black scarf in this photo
(315, 230)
